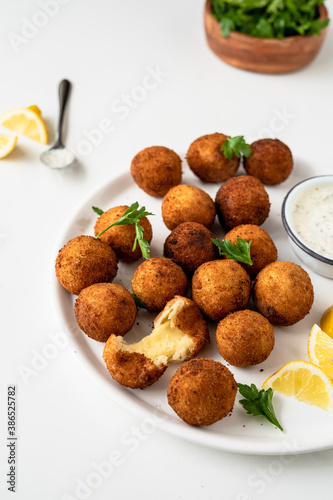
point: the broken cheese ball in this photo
(179, 333)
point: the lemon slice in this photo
(326, 322)
(320, 350)
(26, 121)
(305, 382)
(7, 144)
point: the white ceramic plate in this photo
(306, 428)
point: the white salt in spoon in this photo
(59, 156)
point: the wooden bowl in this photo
(263, 55)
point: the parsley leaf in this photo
(263, 29)
(143, 244)
(226, 26)
(98, 211)
(138, 302)
(132, 216)
(239, 252)
(236, 145)
(317, 26)
(258, 403)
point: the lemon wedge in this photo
(35, 109)
(305, 382)
(7, 144)
(320, 350)
(26, 121)
(326, 322)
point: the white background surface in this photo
(66, 426)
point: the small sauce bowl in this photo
(317, 262)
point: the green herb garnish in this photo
(132, 216)
(269, 18)
(258, 402)
(236, 145)
(138, 302)
(239, 252)
(98, 211)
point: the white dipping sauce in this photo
(312, 218)
(58, 158)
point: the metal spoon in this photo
(59, 156)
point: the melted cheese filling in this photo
(163, 344)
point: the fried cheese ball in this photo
(190, 245)
(283, 293)
(245, 338)
(83, 261)
(202, 391)
(156, 169)
(262, 251)
(207, 161)
(220, 287)
(130, 369)
(104, 309)
(271, 161)
(158, 280)
(179, 333)
(185, 203)
(121, 238)
(242, 200)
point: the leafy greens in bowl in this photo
(269, 18)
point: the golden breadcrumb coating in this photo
(190, 245)
(202, 391)
(283, 293)
(156, 169)
(158, 280)
(83, 261)
(242, 200)
(208, 162)
(262, 251)
(185, 203)
(121, 238)
(105, 308)
(271, 161)
(179, 333)
(220, 287)
(130, 369)
(245, 338)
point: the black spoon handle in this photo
(64, 89)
